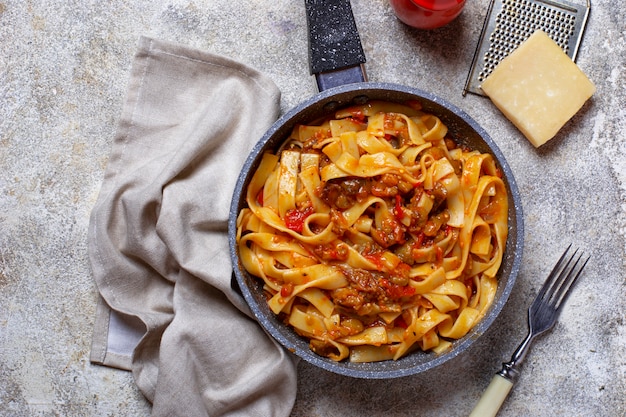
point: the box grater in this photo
(510, 22)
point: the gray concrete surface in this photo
(63, 72)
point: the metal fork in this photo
(542, 315)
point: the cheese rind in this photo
(538, 88)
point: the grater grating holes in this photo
(517, 21)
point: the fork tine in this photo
(572, 276)
(562, 281)
(551, 280)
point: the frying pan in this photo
(336, 59)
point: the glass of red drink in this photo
(427, 14)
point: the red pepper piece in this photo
(294, 218)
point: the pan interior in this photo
(466, 132)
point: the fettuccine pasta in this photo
(375, 234)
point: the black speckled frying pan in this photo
(337, 60)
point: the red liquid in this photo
(427, 14)
(438, 4)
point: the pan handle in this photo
(336, 55)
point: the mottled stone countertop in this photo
(64, 68)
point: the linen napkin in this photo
(158, 242)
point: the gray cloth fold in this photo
(158, 240)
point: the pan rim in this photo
(376, 370)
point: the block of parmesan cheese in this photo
(538, 88)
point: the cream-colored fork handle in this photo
(493, 397)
